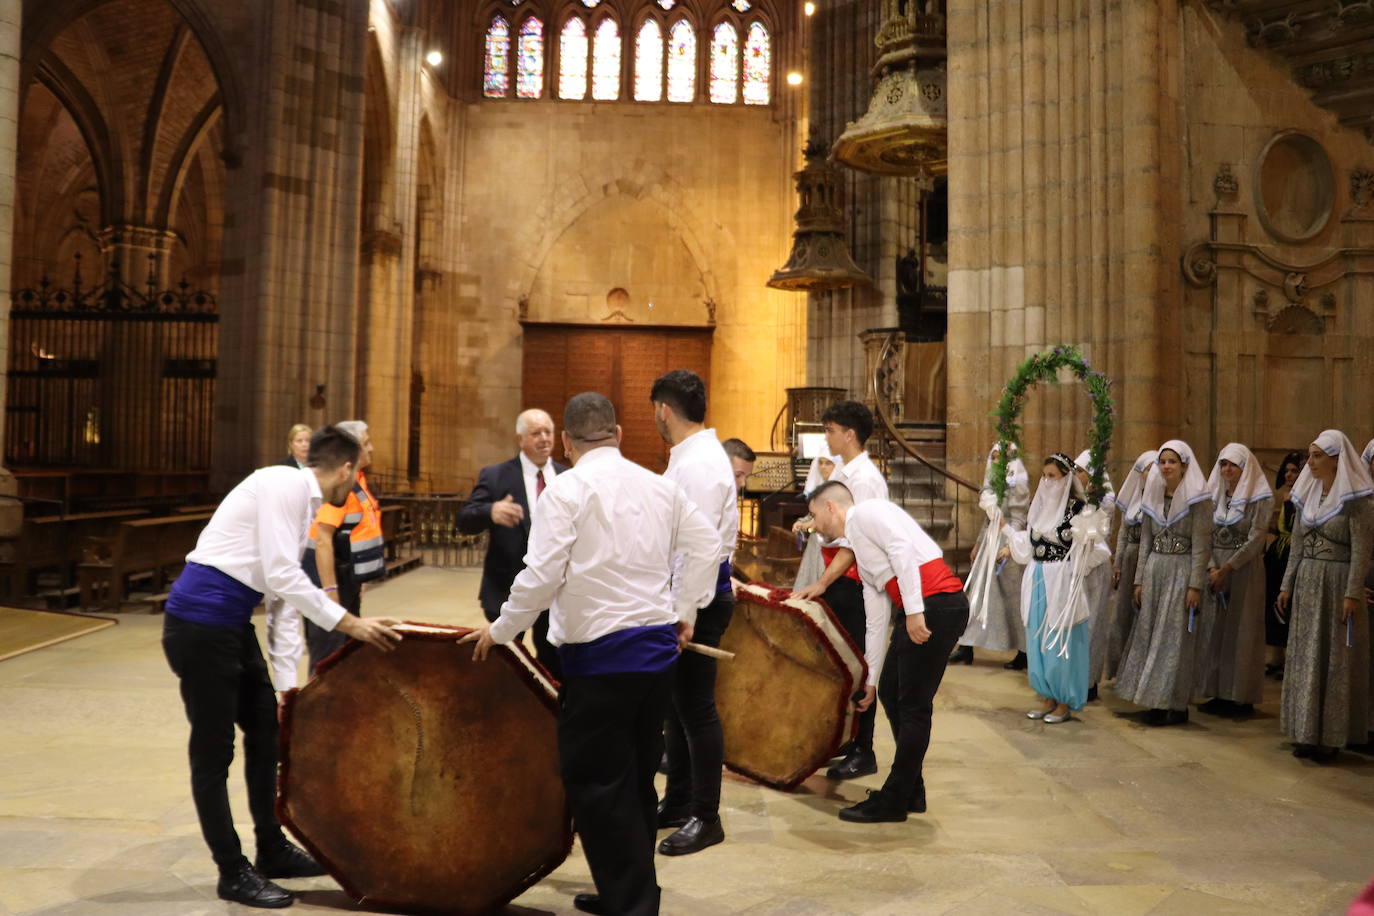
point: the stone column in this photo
(11, 515)
(1063, 221)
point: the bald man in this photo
(504, 503)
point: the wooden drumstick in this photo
(709, 651)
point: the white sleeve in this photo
(877, 612)
(281, 513)
(552, 535)
(697, 543)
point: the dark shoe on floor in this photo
(693, 836)
(1241, 710)
(1175, 717)
(843, 751)
(877, 808)
(962, 656)
(1325, 754)
(287, 861)
(917, 805)
(1216, 706)
(247, 886)
(1304, 751)
(1092, 694)
(588, 903)
(859, 763)
(1018, 663)
(672, 815)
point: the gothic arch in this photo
(378, 141)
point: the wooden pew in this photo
(148, 547)
(51, 541)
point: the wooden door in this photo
(619, 362)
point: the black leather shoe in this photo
(1241, 710)
(1092, 694)
(876, 809)
(287, 861)
(693, 836)
(1215, 707)
(859, 763)
(247, 886)
(843, 751)
(917, 805)
(962, 656)
(588, 903)
(1162, 717)
(672, 815)
(1018, 663)
(1304, 751)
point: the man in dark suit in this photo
(501, 504)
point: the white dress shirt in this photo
(700, 466)
(530, 470)
(257, 536)
(600, 553)
(864, 481)
(887, 543)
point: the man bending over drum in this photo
(897, 560)
(600, 557)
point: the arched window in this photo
(496, 72)
(606, 61)
(529, 73)
(572, 60)
(649, 62)
(725, 64)
(758, 59)
(682, 62)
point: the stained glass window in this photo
(725, 64)
(606, 61)
(757, 65)
(496, 74)
(572, 60)
(529, 79)
(649, 62)
(682, 62)
(743, 6)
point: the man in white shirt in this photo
(601, 552)
(251, 548)
(899, 564)
(503, 504)
(696, 746)
(848, 424)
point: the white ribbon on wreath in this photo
(1088, 551)
(984, 569)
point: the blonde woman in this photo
(297, 446)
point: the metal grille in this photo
(111, 376)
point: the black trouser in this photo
(846, 598)
(322, 643)
(911, 675)
(696, 747)
(610, 740)
(224, 682)
(544, 650)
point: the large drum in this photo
(786, 698)
(422, 780)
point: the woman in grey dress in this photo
(1099, 581)
(1125, 557)
(1175, 543)
(997, 625)
(1326, 679)
(1231, 661)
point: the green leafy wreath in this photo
(1044, 367)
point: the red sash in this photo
(829, 554)
(936, 579)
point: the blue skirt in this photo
(1064, 680)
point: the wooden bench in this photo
(145, 548)
(54, 542)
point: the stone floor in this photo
(1099, 816)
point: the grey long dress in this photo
(1325, 682)
(1004, 630)
(1161, 660)
(1231, 657)
(1123, 601)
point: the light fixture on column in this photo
(820, 258)
(809, 8)
(905, 130)
(434, 58)
(794, 78)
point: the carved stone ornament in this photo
(1295, 286)
(1199, 265)
(1226, 184)
(1361, 188)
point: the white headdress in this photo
(1251, 487)
(1017, 475)
(1191, 489)
(1352, 480)
(1128, 500)
(814, 477)
(1052, 498)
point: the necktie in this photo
(539, 483)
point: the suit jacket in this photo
(505, 546)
